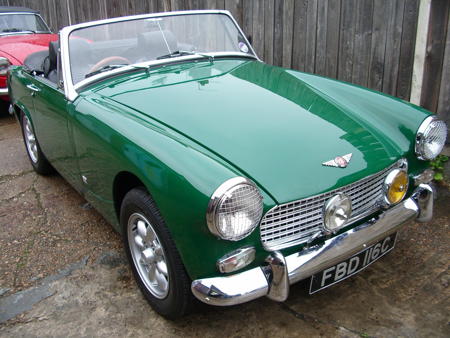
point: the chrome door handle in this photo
(33, 89)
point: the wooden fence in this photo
(367, 42)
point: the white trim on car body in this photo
(70, 89)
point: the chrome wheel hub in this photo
(148, 255)
(30, 139)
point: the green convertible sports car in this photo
(229, 179)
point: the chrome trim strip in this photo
(149, 64)
(4, 91)
(70, 89)
(251, 284)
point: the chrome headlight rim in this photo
(329, 209)
(421, 136)
(217, 198)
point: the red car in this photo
(22, 32)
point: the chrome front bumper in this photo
(273, 280)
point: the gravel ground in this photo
(62, 273)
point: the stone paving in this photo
(63, 273)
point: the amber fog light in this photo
(395, 186)
(337, 212)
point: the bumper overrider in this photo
(273, 279)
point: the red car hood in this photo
(18, 47)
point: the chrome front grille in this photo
(295, 222)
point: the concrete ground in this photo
(63, 273)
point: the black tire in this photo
(38, 160)
(178, 300)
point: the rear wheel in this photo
(155, 261)
(37, 158)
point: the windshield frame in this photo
(71, 90)
(48, 31)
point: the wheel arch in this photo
(123, 182)
(18, 109)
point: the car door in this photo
(51, 122)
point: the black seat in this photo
(35, 62)
(51, 62)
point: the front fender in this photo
(179, 174)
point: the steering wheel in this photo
(108, 61)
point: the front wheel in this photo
(155, 261)
(37, 158)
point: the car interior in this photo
(92, 55)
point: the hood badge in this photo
(339, 161)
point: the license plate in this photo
(336, 273)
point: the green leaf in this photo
(438, 176)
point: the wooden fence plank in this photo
(332, 38)
(311, 27)
(269, 13)
(258, 27)
(140, 6)
(348, 20)
(393, 40)
(299, 35)
(379, 28)
(62, 15)
(235, 8)
(362, 43)
(288, 23)
(443, 109)
(321, 44)
(247, 18)
(435, 53)
(278, 33)
(406, 61)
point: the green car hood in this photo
(277, 126)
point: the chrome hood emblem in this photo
(339, 161)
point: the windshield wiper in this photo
(178, 53)
(104, 69)
(17, 30)
(112, 67)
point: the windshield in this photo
(22, 23)
(109, 46)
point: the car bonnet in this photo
(276, 126)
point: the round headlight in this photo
(337, 212)
(235, 209)
(430, 138)
(395, 186)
